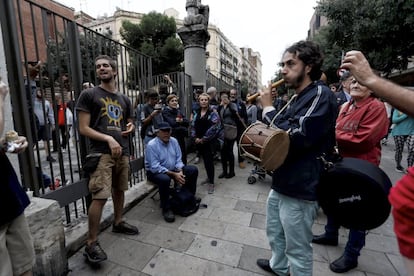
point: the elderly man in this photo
(163, 164)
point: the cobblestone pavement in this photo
(227, 237)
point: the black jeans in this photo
(163, 181)
(227, 156)
(206, 151)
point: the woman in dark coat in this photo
(179, 124)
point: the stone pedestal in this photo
(195, 38)
(45, 221)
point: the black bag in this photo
(90, 164)
(183, 203)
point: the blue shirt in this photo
(161, 157)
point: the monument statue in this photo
(196, 13)
(195, 29)
(194, 35)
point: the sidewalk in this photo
(227, 237)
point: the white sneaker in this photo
(196, 160)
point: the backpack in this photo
(183, 203)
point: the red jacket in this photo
(402, 200)
(360, 128)
(61, 108)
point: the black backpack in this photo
(183, 203)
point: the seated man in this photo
(163, 164)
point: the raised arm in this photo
(398, 96)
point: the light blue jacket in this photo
(404, 125)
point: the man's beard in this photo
(295, 83)
(106, 80)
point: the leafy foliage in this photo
(382, 29)
(155, 36)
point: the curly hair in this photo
(310, 54)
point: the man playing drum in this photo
(310, 120)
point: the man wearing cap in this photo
(342, 95)
(163, 163)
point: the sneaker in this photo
(400, 169)
(196, 160)
(125, 228)
(94, 253)
(168, 215)
(210, 188)
(50, 159)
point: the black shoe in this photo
(230, 175)
(125, 228)
(343, 264)
(197, 199)
(323, 239)
(222, 175)
(50, 159)
(94, 253)
(168, 215)
(264, 264)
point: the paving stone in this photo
(258, 221)
(157, 219)
(216, 250)
(249, 256)
(139, 212)
(218, 201)
(203, 226)
(130, 253)
(216, 269)
(246, 235)
(171, 263)
(375, 262)
(231, 216)
(124, 271)
(398, 263)
(251, 207)
(176, 240)
(262, 197)
(379, 242)
(78, 266)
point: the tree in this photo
(155, 36)
(383, 30)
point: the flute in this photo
(274, 85)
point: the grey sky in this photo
(266, 26)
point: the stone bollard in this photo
(45, 221)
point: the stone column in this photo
(45, 221)
(195, 36)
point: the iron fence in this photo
(49, 57)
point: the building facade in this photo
(224, 60)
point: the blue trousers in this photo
(356, 238)
(163, 181)
(289, 230)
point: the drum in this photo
(265, 145)
(355, 193)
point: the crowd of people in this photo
(349, 115)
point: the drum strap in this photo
(283, 109)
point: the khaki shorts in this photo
(110, 173)
(16, 247)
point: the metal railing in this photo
(67, 51)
